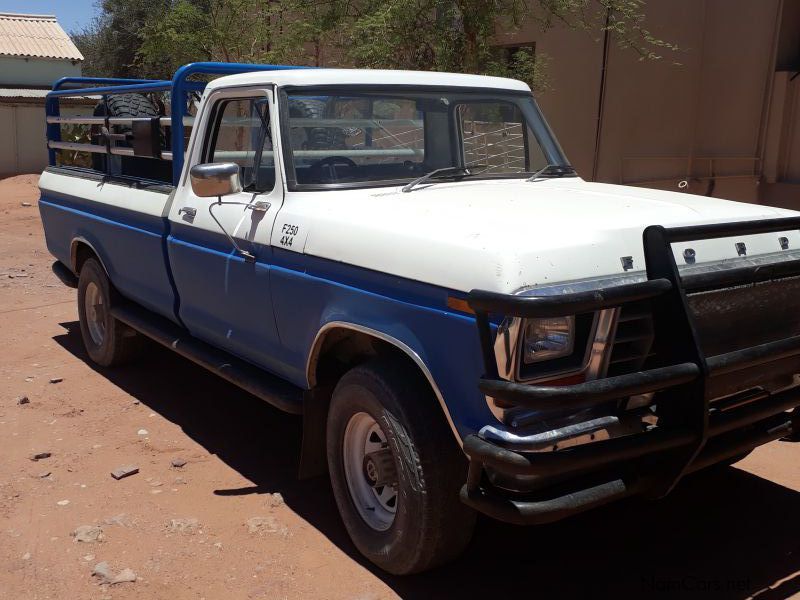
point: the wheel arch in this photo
(339, 331)
(81, 249)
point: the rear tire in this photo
(108, 342)
(382, 406)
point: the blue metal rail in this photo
(179, 87)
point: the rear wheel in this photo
(108, 342)
(396, 469)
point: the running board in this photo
(258, 382)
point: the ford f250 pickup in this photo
(408, 261)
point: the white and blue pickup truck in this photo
(408, 261)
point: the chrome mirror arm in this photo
(258, 207)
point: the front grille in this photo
(739, 317)
(726, 320)
(633, 339)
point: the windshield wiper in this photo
(558, 170)
(437, 173)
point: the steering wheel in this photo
(331, 162)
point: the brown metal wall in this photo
(708, 121)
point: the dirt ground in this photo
(234, 522)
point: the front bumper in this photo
(693, 430)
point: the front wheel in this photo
(108, 342)
(396, 470)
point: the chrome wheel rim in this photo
(377, 505)
(95, 313)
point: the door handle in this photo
(259, 206)
(190, 212)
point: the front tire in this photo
(396, 470)
(108, 342)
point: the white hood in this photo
(503, 235)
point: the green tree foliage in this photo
(111, 42)
(246, 31)
(153, 37)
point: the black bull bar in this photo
(690, 434)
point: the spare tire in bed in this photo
(130, 106)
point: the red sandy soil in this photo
(734, 532)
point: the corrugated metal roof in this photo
(38, 36)
(34, 94)
(22, 93)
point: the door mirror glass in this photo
(211, 180)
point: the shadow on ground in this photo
(720, 534)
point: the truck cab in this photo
(408, 261)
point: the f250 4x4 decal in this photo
(288, 233)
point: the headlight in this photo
(548, 339)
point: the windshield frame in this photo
(530, 110)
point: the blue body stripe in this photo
(130, 247)
(446, 342)
(269, 312)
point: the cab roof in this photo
(314, 77)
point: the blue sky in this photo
(72, 14)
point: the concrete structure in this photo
(34, 52)
(726, 120)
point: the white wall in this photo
(23, 143)
(30, 72)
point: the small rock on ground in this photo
(262, 525)
(88, 534)
(142, 432)
(121, 519)
(41, 455)
(56, 379)
(125, 576)
(23, 400)
(275, 500)
(104, 573)
(125, 471)
(183, 525)
(178, 463)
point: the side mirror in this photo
(215, 179)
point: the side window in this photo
(497, 140)
(241, 134)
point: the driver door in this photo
(224, 297)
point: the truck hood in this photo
(503, 235)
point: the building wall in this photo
(23, 148)
(35, 72)
(22, 124)
(704, 121)
(23, 142)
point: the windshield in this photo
(347, 137)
